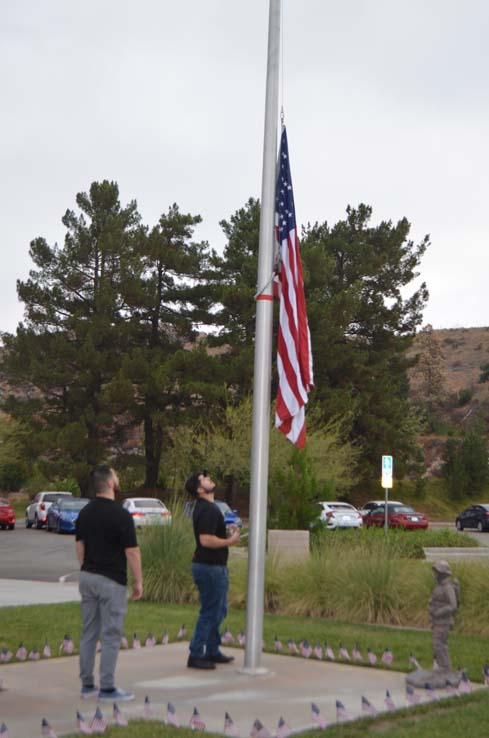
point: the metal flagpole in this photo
(263, 360)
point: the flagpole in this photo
(263, 360)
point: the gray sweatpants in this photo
(104, 607)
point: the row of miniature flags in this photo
(67, 646)
(99, 723)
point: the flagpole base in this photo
(254, 671)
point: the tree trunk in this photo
(153, 443)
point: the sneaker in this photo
(116, 695)
(200, 662)
(87, 692)
(219, 658)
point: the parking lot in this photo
(37, 555)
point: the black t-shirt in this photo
(207, 518)
(106, 529)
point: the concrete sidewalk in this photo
(24, 592)
(50, 689)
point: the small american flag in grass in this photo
(171, 716)
(227, 638)
(329, 652)
(367, 707)
(465, 685)
(150, 641)
(292, 646)
(283, 730)
(318, 651)
(258, 730)
(412, 697)
(387, 657)
(4, 731)
(21, 653)
(99, 723)
(67, 646)
(317, 716)
(342, 714)
(413, 661)
(196, 722)
(136, 643)
(343, 651)
(305, 649)
(147, 709)
(371, 657)
(46, 730)
(389, 702)
(118, 716)
(46, 651)
(182, 632)
(277, 645)
(165, 640)
(230, 728)
(356, 654)
(241, 638)
(34, 655)
(81, 725)
(5, 656)
(450, 690)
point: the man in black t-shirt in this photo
(210, 573)
(105, 543)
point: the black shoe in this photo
(200, 662)
(219, 658)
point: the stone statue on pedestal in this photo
(442, 609)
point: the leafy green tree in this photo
(71, 342)
(13, 462)
(466, 463)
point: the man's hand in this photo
(137, 591)
(235, 535)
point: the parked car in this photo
(339, 515)
(147, 511)
(475, 516)
(399, 516)
(375, 503)
(231, 517)
(37, 511)
(7, 515)
(63, 513)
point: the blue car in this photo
(63, 513)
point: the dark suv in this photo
(475, 516)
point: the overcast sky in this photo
(386, 102)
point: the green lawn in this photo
(32, 624)
(459, 717)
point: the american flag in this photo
(485, 672)
(46, 730)
(34, 655)
(329, 652)
(305, 649)
(344, 653)
(387, 657)
(430, 692)
(227, 637)
(367, 707)
(118, 716)
(372, 658)
(82, 726)
(465, 685)
(99, 723)
(277, 645)
(136, 643)
(411, 696)
(389, 702)
(291, 645)
(294, 358)
(21, 653)
(182, 632)
(413, 661)
(241, 638)
(46, 651)
(258, 730)
(450, 690)
(5, 656)
(124, 643)
(317, 716)
(356, 654)
(196, 722)
(148, 710)
(165, 639)
(67, 645)
(342, 714)
(150, 641)
(4, 731)
(171, 716)
(318, 651)
(283, 730)
(230, 728)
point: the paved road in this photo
(37, 555)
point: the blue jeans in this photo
(212, 583)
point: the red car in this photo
(7, 515)
(399, 516)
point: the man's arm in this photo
(133, 556)
(210, 541)
(80, 551)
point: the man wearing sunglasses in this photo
(209, 571)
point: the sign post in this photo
(387, 469)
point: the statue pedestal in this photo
(437, 679)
